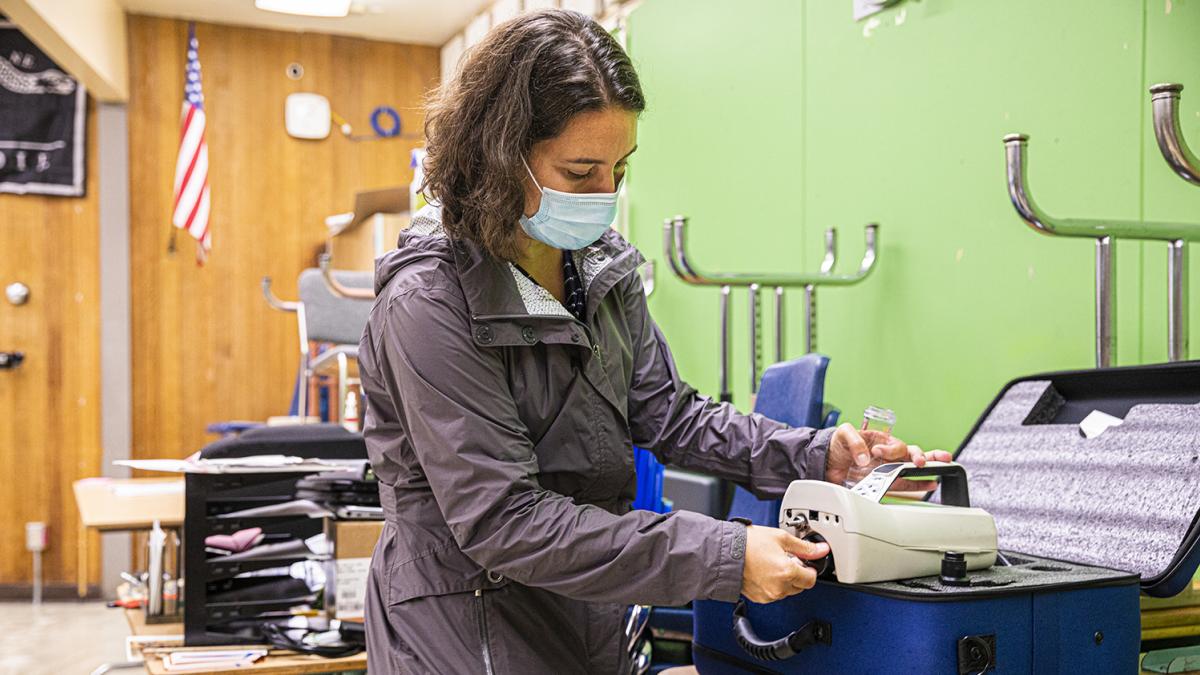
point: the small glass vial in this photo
(878, 419)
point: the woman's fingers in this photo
(905, 485)
(774, 567)
(892, 450)
(920, 458)
(803, 578)
(859, 450)
(805, 550)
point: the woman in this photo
(510, 363)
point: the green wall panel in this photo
(769, 121)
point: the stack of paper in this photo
(210, 659)
(251, 464)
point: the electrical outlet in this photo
(35, 537)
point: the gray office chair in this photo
(322, 315)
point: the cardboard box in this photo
(346, 571)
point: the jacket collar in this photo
(490, 288)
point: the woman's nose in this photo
(605, 182)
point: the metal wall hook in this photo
(1105, 232)
(1164, 102)
(827, 265)
(336, 287)
(830, 259)
(672, 247)
(1018, 192)
(675, 250)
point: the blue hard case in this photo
(1071, 618)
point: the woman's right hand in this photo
(774, 569)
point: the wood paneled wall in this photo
(206, 347)
(49, 406)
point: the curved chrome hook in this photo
(670, 250)
(1014, 155)
(1018, 192)
(336, 287)
(1164, 102)
(870, 253)
(274, 301)
(675, 247)
(830, 259)
(1101, 231)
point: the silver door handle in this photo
(9, 360)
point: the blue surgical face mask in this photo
(568, 220)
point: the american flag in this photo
(191, 167)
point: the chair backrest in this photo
(792, 392)
(330, 318)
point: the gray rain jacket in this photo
(501, 430)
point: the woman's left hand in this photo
(853, 454)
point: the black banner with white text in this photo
(42, 122)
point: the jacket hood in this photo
(424, 238)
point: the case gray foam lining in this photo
(1123, 500)
(1025, 572)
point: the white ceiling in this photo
(425, 22)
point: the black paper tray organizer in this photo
(213, 614)
(1127, 499)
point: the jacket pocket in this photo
(439, 571)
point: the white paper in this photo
(210, 660)
(296, 507)
(318, 544)
(254, 464)
(350, 587)
(1097, 423)
(168, 465)
(254, 460)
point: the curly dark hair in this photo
(521, 84)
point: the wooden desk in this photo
(119, 504)
(277, 662)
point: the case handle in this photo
(811, 633)
(954, 480)
(876, 484)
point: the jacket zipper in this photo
(483, 634)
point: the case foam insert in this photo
(1023, 572)
(1123, 500)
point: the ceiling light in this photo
(306, 7)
